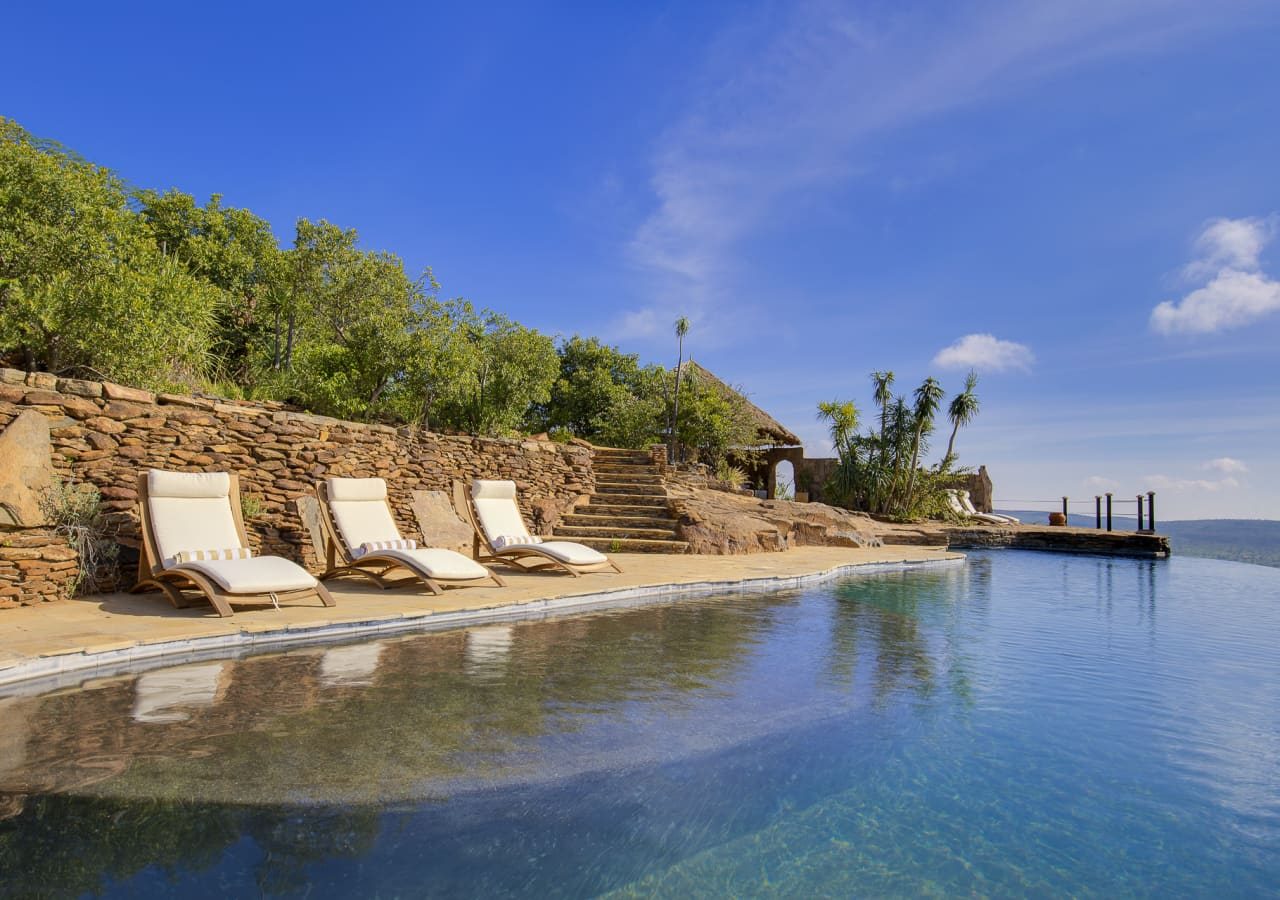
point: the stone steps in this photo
(621, 489)
(617, 545)
(628, 512)
(624, 510)
(591, 520)
(575, 532)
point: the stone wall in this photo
(105, 434)
(36, 566)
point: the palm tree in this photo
(963, 410)
(843, 416)
(883, 382)
(682, 328)
(928, 396)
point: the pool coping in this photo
(44, 673)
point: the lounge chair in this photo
(957, 507)
(967, 502)
(502, 537)
(361, 538)
(193, 538)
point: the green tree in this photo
(83, 287)
(506, 369)
(603, 395)
(962, 411)
(928, 396)
(235, 251)
(351, 354)
(682, 329)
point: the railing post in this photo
(1140, 525)
(1097, 511)
(1151, 510)
(1108, 510)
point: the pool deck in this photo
(118, 631)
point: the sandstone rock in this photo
(27, 472)
(42, 380)
(80, 388)
(105, 426)
(438, 523)
(719, 522)
(13, 376)
(308, 508)
(120, 392)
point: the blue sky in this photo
(825, 189)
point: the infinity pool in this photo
(1021, 724)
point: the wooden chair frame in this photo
(340, 561)
(527, 557)
(172, 582)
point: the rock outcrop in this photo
(721, 523)
(26, 469)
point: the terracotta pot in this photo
(1057, 519)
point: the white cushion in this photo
(511, 540)
(496, 508)
(571, 552)
(484, 489)
(189, 523)
(364, 521)
(357, 489)
(260, 575)
(376, 546)
(439, 563)
(188, 484)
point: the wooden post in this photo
(1108, 510)
(1097, 511)
(1140, 526)
(1064, 512)
(1151, 510)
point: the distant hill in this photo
(1239, 540)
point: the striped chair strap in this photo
(373, 546)
(186, 556)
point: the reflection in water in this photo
(168, 695)
(351, 664)
(1010, 726)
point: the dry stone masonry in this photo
(105, 434)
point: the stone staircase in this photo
(628, 513)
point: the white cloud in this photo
(986, 353)
(1101, 483)
(790, 99)
(1226, 465)
(1181, 485)
(1236, 291)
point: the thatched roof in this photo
(772, 432)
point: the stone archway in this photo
(792, 456)
(784, 480)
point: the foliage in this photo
(731, 474)
(879, 471)
(159, 290)
(75, 511)
(504, 369)
(82, 284)
(682, 329)
(250, 506)
(713, 422)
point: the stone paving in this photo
(90, 632)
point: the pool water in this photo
(1021, 724)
